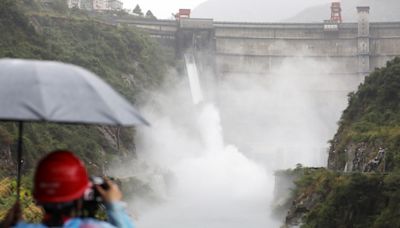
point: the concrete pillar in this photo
(363, 40)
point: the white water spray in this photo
(216, 186)
(276, 120)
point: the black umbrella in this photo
(32, 90)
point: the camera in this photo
(92, 200)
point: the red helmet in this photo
(60, 177)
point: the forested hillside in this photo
(329, 199)
(362, 187)
(127, 59)
(370, 124)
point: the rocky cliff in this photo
(362, 185)
(368, 138)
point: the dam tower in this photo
(336, 12)
(363, 40)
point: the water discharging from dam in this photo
(194, 82)
(213, 184)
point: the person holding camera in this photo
(63, 189)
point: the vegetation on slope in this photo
(326, 198)
(372, 119)
(7, 198)
(124, 57)
(359, 197)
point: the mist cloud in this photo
(221, 154)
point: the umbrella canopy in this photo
(33, 90)
(57, 92)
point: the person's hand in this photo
(112, 194)
(13, 216)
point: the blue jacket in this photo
(117, 217)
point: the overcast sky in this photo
(162, 8)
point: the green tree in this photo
(138, 10)
(109, 52)
(149, 14)
(60, 6)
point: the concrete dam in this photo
(254, 48)
(253, 51)
(279, 120)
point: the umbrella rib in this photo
(135, 113)
(38, 83)
(104, 100)
(36, 112)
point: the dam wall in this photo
(352, 49)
